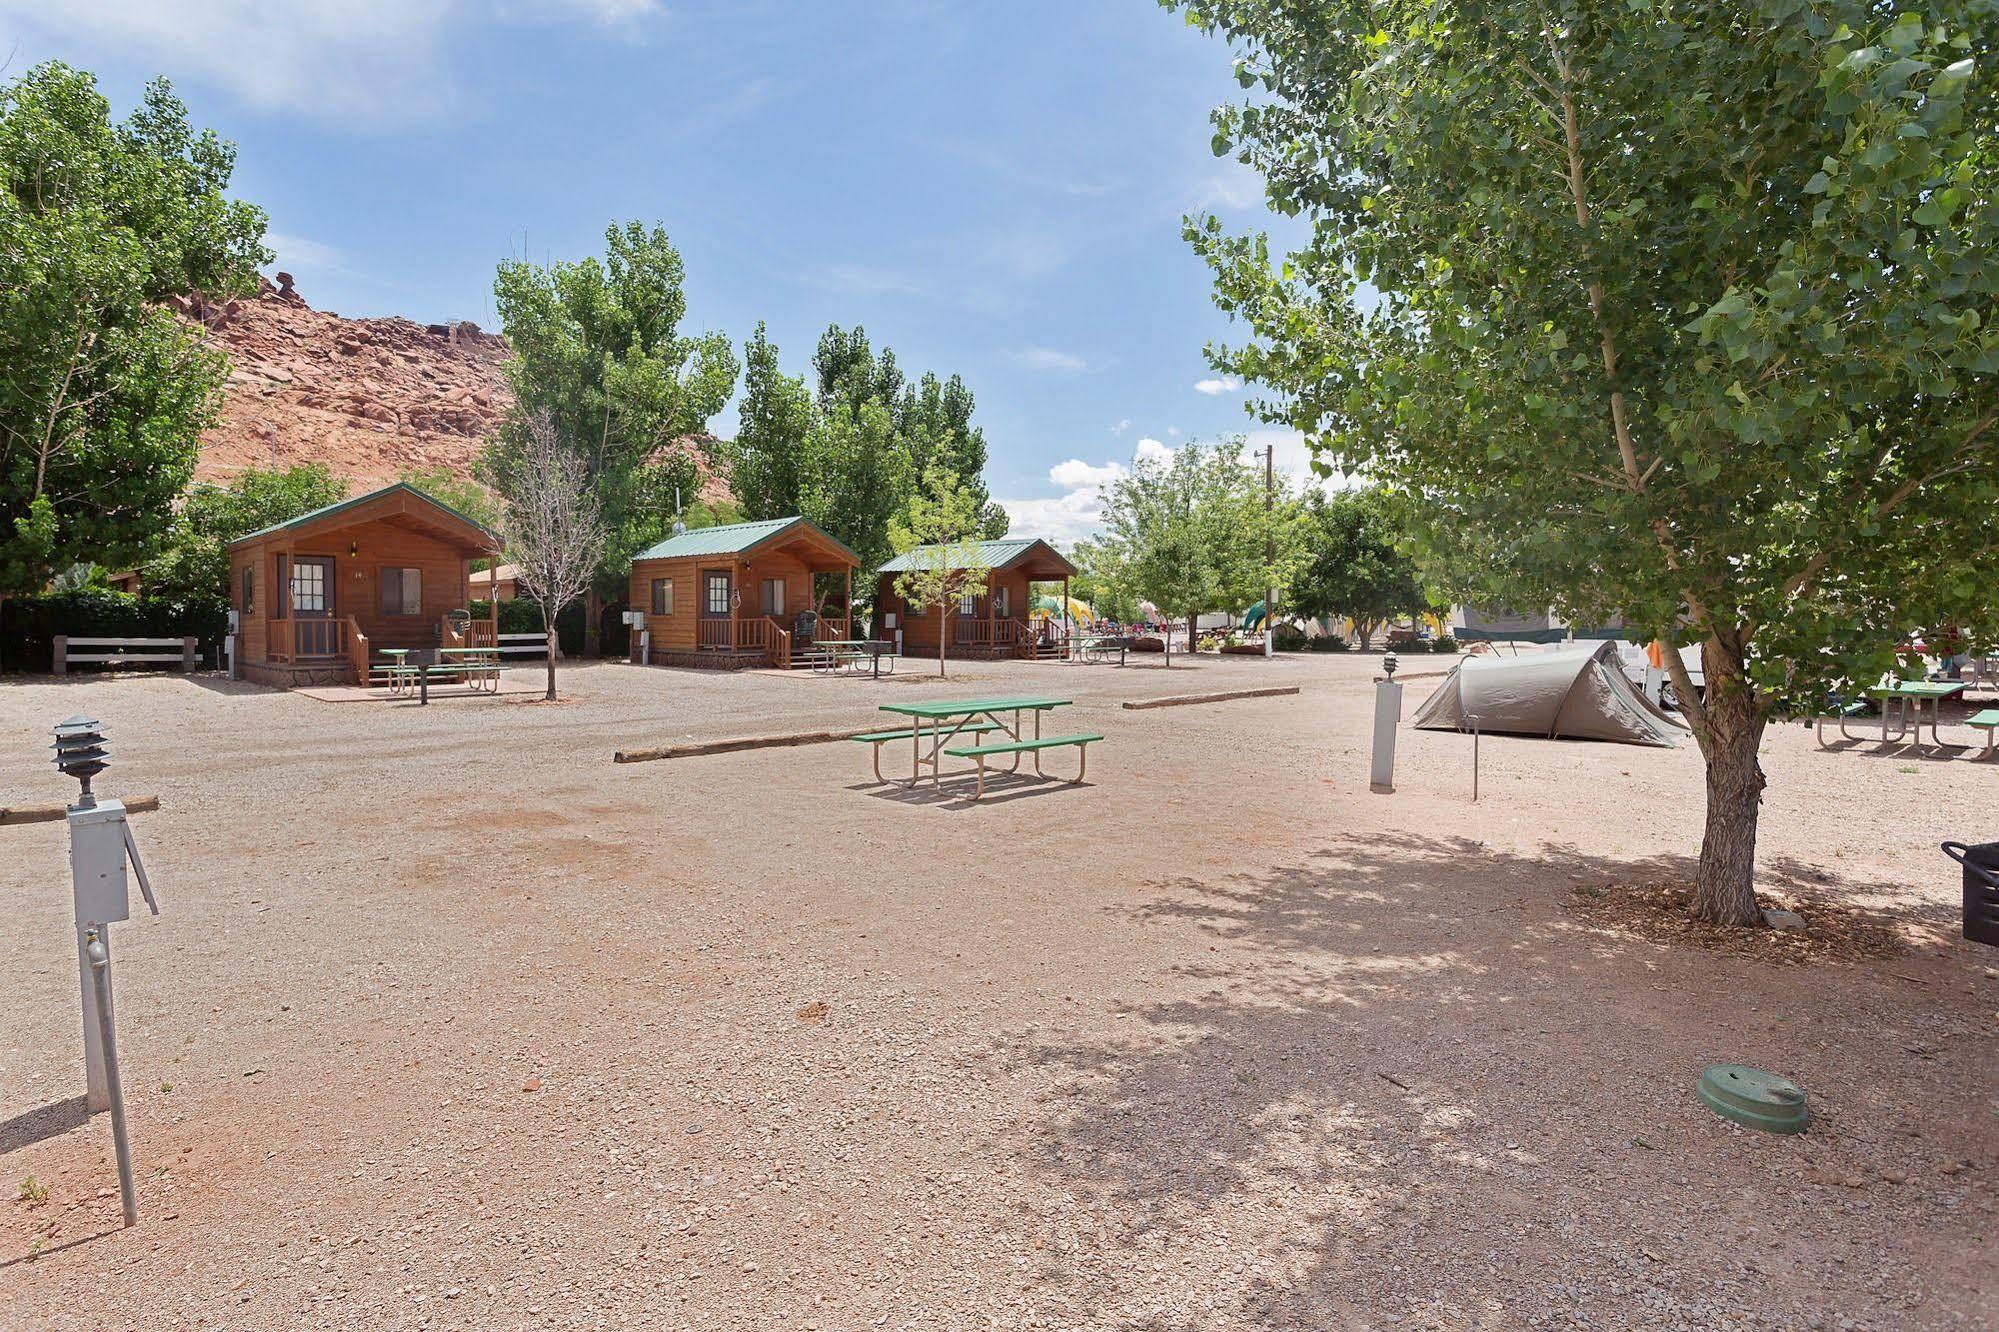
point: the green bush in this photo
(1328, 643)
(29, 626)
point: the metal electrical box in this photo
(97, 861)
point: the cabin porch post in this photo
(847, 610)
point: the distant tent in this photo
(1567, 693)
(1497, 624)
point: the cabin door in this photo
(717, 595)
(312, 608)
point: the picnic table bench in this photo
(1099, 647)
(1988, 722)
(941, 721)
(980, 753)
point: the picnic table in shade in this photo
(1908, 698)
(938, 722)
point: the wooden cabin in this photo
(990, 623)
(740, 594)
(318, 597)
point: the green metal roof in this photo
(328, 510)
(729, 539)
(994, 554)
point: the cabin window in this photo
(402, 592)
(278, 585)
(968, 603)
(718, 594)
(773, 596)
(309, 587)
(249, 605)
(662, 596)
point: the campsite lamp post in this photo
(1387, 715)
(100, 847)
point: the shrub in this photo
(29, 626)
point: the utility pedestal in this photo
(1387, 716)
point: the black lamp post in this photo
(80, 752)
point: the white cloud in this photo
(1049, 360)
(1075, 473)
(1172, 432)
(863, 280)
(609, 13)
(300, 252)
(354, 62)
(1063, 520)
(1226, 384)
(1121, 426)
(1151, 450)
(1234, 186)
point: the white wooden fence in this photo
(533, 645)
(121, 651)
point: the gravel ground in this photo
(453, 1023)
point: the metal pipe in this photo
(100, 973)
(1473, 719)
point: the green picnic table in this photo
(1908, 697)
(938, 722)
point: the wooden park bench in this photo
(982, 752)
(880, 738)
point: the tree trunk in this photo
(1725, 891)
(942, 642)
(593, 628)
(548, 650)
(1193, 633)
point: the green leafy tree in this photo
(103, 391)
(939, 529)
(1355, 570)
(762, 462)
(1098, 582)
(1676, 311)
(848, 448)
(470, 497)
(598, 350)
(1194, 535)
(195, 563)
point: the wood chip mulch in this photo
(1657, 912)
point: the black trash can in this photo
(1981, 889)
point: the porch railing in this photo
(357, 651)
(972, 631)
(296, 639)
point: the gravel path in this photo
(453, 1023)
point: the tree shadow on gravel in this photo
(1401, 1080)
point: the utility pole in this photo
(1269, 549)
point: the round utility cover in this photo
(1755, 1097)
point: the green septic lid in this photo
(1752, 1096)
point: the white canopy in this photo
(1578, 692)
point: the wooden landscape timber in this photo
(1182, 700)
(54, 813)
(698, 747)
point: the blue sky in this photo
(994, 189)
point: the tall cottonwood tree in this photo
(103, 391)
(1681, 311)
(598, 350)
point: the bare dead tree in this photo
(552, 523)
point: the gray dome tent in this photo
(1568, 693)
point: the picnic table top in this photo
(972, 707)
(1919, 689)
